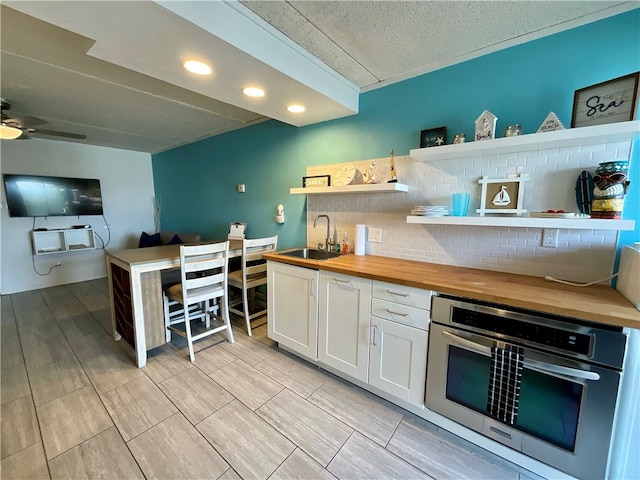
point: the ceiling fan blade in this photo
(55, 133)
(25, 121)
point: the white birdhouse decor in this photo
(486, 126)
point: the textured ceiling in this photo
(110, 70)
(373, 42)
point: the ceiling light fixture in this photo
(9, 133)
(198, 68)
(253, 92)
(296, 108)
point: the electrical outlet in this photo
(550, 237)
(58, 263)
(375, 235)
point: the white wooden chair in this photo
(252, 275)
(203, 285)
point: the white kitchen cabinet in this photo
(292, 308)
(399, 336)
(372, 331)
(344, 314)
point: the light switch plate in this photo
(375, 235)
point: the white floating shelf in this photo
(579, 223)
(368, 188)
(598, 134)
(62, 240)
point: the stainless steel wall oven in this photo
(543, 385)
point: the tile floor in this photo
(74, 406)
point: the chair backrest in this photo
(252, 250)
(203, 266)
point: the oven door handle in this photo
(543, 367)
(476, 347)
(560, 370)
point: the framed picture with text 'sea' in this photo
(607, 102)
(433, 137)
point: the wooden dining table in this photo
(135, 291)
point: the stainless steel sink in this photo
(309, 253)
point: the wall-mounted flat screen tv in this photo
(36, 196)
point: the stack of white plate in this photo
(430, 211)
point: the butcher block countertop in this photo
(598, 303)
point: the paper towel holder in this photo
(360, 242)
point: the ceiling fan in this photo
(21, 127)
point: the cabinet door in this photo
(292, 309)
(398, 360)
(343, 334)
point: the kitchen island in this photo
(135, 290)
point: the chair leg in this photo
(247, 315)
(224, 312)
(167, 318)
(207, 308)
(187, 327)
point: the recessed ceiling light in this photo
(296, 108)
(198, 68)
(253, 92)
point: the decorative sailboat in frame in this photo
(502, 195)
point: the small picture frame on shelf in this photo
(502, 195)
(433, 137)
(316, 181)
(606, 102)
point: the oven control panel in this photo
(533, 333)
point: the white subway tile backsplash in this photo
(593, 239)
(582, 255)
(517, 241)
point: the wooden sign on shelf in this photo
(486, 126)
(550, 124)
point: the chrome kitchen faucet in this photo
(327, 245)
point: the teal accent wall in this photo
(196, 183)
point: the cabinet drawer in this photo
(412, 316)
(415, 297)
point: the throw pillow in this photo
(147, 240)
(175, 240)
